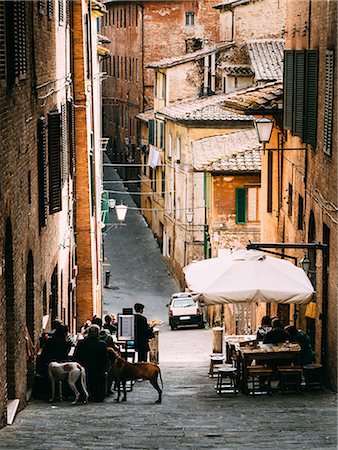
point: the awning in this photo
(248, 276)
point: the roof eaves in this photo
(230, 6)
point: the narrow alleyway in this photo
(138, 273)
(192, 415)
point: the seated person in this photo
(301, 338)
(91, 352)
(277, 335)
(56, 348)
(109, 324)
(264, 328)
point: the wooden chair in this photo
(290, 378)
(216, 359)
(260, 377)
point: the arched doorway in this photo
(311, 323)
(30, 314)
(10, 322)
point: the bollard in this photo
(107, 278)
(153, 344)
(217, 340)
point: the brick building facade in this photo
(142, 32)
(38, 265)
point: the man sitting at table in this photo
(303, 340)
(277, 335)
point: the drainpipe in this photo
(206, 72)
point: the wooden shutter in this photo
(54, 155)
(61, 12)
(288, 88)
(2, 42)
(300, 212)
(20, 38)
(50, 9)
(328, 106)
(310, 115)
(42, 171)
(161, 134)
(241, 205)
(71, 136)
(299, 93)
(41, 6)
(151, 127)
(64, 135)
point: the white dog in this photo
(70, 371)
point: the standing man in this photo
(143, 332)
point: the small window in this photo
(300, 212)
(136, 70)
(241, 195)
(170, 145)
(189, 19)
(253, 203)
(290, 189)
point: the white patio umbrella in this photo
(248, 276)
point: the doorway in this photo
(10, 321)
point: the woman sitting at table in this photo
(277, 335)
(301, 338)
(264, 328)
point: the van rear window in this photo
(183, 303)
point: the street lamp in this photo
(263, 128)
(305, 263)
(121, 211)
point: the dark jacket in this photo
(275, 336)
(55, 350)
(306, 353)
(92, 354)
(143, 332)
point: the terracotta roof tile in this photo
(267, 59)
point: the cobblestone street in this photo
(192, 415)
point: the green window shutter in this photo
(288, 88)
(310, 115)
(151, 127)
(299, 93)
(54, 156)
(328, 108)
(241, 205)
(42, 171)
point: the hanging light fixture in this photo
(305, 263)
(121, 211)
(263, 128)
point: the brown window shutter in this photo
(288, 88)
(329, 100)
(20, 38)
(64, 135)
(2, 42)
(50, 9)
(310, 107)
(54, 155)
(42, 172)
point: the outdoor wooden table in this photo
(266, 354)
(232, 343)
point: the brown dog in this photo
(123, 371)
